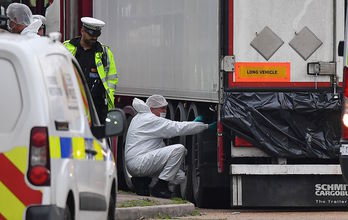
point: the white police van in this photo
(54, 159)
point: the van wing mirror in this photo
(115, 122)
(340, 48)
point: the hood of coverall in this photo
(32, 28)
(19, 13)
(140, 106)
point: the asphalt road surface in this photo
(216, 214)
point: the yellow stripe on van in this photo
(78, 145)
(10, 206)
(55, 147)
(18, 156)
(98, 148)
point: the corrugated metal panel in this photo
(169, 47)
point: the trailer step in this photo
(285, 169)
(288, 191)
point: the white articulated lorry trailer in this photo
(267, 71)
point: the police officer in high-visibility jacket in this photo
(97, 63)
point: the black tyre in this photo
(208, 187)
(186, 187)
(200, 194)
(112, 204)
(170, 115)
(125, 175)
(180, 115)
(195, 170)
(120, 172)
(67, 212)
(124, 178)
(170, 110)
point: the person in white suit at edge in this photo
(42, 29)
(146, 154)
(20, 20)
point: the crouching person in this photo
(146, 154)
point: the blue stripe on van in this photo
(65, 147)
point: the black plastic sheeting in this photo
(286, 124)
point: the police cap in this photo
(92, 26)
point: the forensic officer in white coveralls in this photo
(146, 154)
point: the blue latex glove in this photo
(199, 118)
(212, 126)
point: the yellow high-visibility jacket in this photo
(107, 72)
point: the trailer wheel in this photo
(124, 178)
(196, 172)
(204, 177)
(180, 115)
(203, 196)
(185, 187)
(170, 110)
(170, 115)
(195, 140)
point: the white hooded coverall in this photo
(146, 153)
(21, 14)
(32, 28)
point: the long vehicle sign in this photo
(262, 72)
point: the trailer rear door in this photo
(282, 38)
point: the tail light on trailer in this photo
(345, 105)
(39, 157)
(220, 147)
(241, 142)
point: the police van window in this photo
(61, 93)
(10, 96)
(3, 19)
(36, 6)
(90, 110)
(84, 96)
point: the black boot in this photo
(160, 189)
(141, 185)
(175, 191)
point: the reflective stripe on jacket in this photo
(107, 73)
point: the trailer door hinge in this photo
(227, 64)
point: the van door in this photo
(97, 151)
(15, 124)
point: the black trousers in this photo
(102, 111)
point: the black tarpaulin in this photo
(286, 124)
